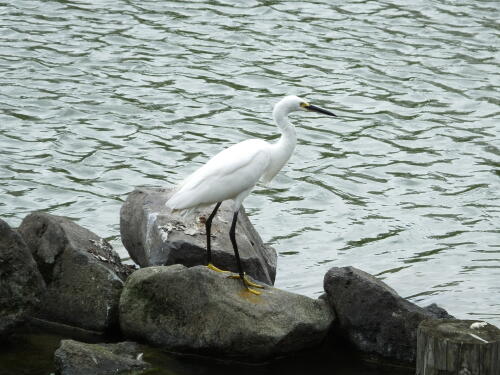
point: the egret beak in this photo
(313, 108)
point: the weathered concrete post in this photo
(458, 347)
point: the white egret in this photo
(233, 173)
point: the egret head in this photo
(293, 103)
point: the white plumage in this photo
(233, 173)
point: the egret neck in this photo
(283, 149)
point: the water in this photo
(97, 97)
(39, 349)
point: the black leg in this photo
(208, 227)
(232, 236)
(246, 282)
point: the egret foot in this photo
(213, 268)
(256, 292)
(248, 283)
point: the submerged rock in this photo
(199, 311)
(153, 236)
(372, 315)
(21, 284)
(84, 276)
(78, 358)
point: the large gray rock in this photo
(78, 358)
(373, 316)
(21, 284)
(84, 276)
(199, 311)
(153, 236)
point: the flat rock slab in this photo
(21, 284)
(199, 311)
(84, 276)
(78, 358)
(154, 236)
(373, 316)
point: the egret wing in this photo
(230, 172)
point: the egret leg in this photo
(247, 283)
(208, 228)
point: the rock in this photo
(199, 311)
(21, 284)
(78, 358)
(372, 315)
(438, 312)
(154, 236)
(84, 276)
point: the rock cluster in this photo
(53, 269)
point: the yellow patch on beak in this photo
(304, 104)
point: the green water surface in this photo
(97, 97)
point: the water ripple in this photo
(99, 97)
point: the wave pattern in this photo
(97, 97)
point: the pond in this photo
(98, 97)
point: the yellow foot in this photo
(256, 292)
(213, 268)
(248, 283)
